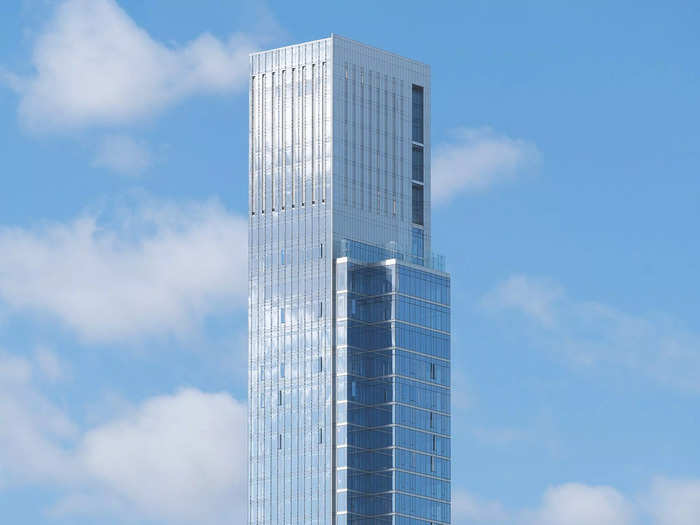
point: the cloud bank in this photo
(153, 269)
(95, 66)
(665, 502)
(179, 458)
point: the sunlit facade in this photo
(349, 311)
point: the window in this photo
(417, 204)
(319, 364)
(417, 114)
(282, 258)
(279, 397)
(319, 309)
(262, 400)
(262, 373)
(432, 370)
(353, 389)
(417, 243)
(320, 435)
(282, 315)
(281, 369)
(279, 441)
(431, 420)
(320, 251)
(432, 464)
(434, 443)
(417, 163)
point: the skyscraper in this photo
(349, 316)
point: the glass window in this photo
(417, 163)
(417, 204)
(417, 109)
(417, 245)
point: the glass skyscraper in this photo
(349, 310)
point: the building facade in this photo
(349, 310)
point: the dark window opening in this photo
(417, 204)
(418, 163)
(417, 98)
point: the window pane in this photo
(417, 199)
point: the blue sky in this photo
(567, 194)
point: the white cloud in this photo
(567, 504)
(180, 458)
(95, 66)
(591, 333)
(477, 159)
(667, 502)
(535, 297)
(577, 504)
(154, 269)
(32, 429)
(467, 508)
(675, 502)
(123, 155)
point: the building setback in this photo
(349, 310)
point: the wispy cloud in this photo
(537, 298)
(123, 155)
(674, 502)
(33, 428)
(179, 457)
(49, 364)
(666, 502)
(467, 508)
(578, 504)
(95, 66)
(150, 269)
(477, 158)
(12, 80)
(591, 333)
